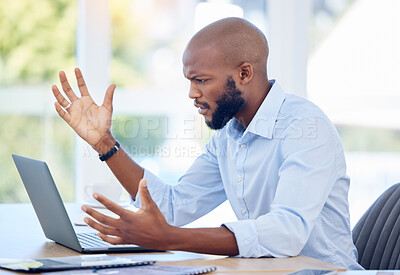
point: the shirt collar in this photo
(264, 120)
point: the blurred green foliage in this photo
(368, 139)
(139, 134)
(24, 135)
(130, 46)
(36, 38)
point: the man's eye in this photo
(201, 80)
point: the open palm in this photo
(90, 121)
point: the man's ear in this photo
(246, 73)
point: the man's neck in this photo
(249, 110)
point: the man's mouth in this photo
(202, 108)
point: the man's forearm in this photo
(127, 171)
(220, 240)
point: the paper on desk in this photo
(20, 264)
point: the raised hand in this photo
(90, 121)
(147, 227)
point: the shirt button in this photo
(243, 146)
(239, 178)
(243, 211)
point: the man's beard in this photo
(228, 105)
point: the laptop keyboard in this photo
(91, 240)
(88, 240)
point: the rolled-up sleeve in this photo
(156, 186)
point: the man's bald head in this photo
(236, 39)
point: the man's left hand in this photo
(147, 227)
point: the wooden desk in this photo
(22, 237)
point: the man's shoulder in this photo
(299, 114)
(298, 107)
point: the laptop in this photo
(52, 215)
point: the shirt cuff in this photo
(157, 189)
(246, 235)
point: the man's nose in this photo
(194, 92)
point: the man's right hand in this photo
(90, 121)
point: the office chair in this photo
(377, 234)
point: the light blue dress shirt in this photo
(284, 176)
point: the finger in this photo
(63, 102)
(109, 204)
(81, 82)
(111, 240)
(144, 193)
(108, 98)
(63, 114)
(66, 87)
(104, 219)
(101, 228)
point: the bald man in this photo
(276, 157)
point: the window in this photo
(352, 75)
(32, 50)
(352, 70)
